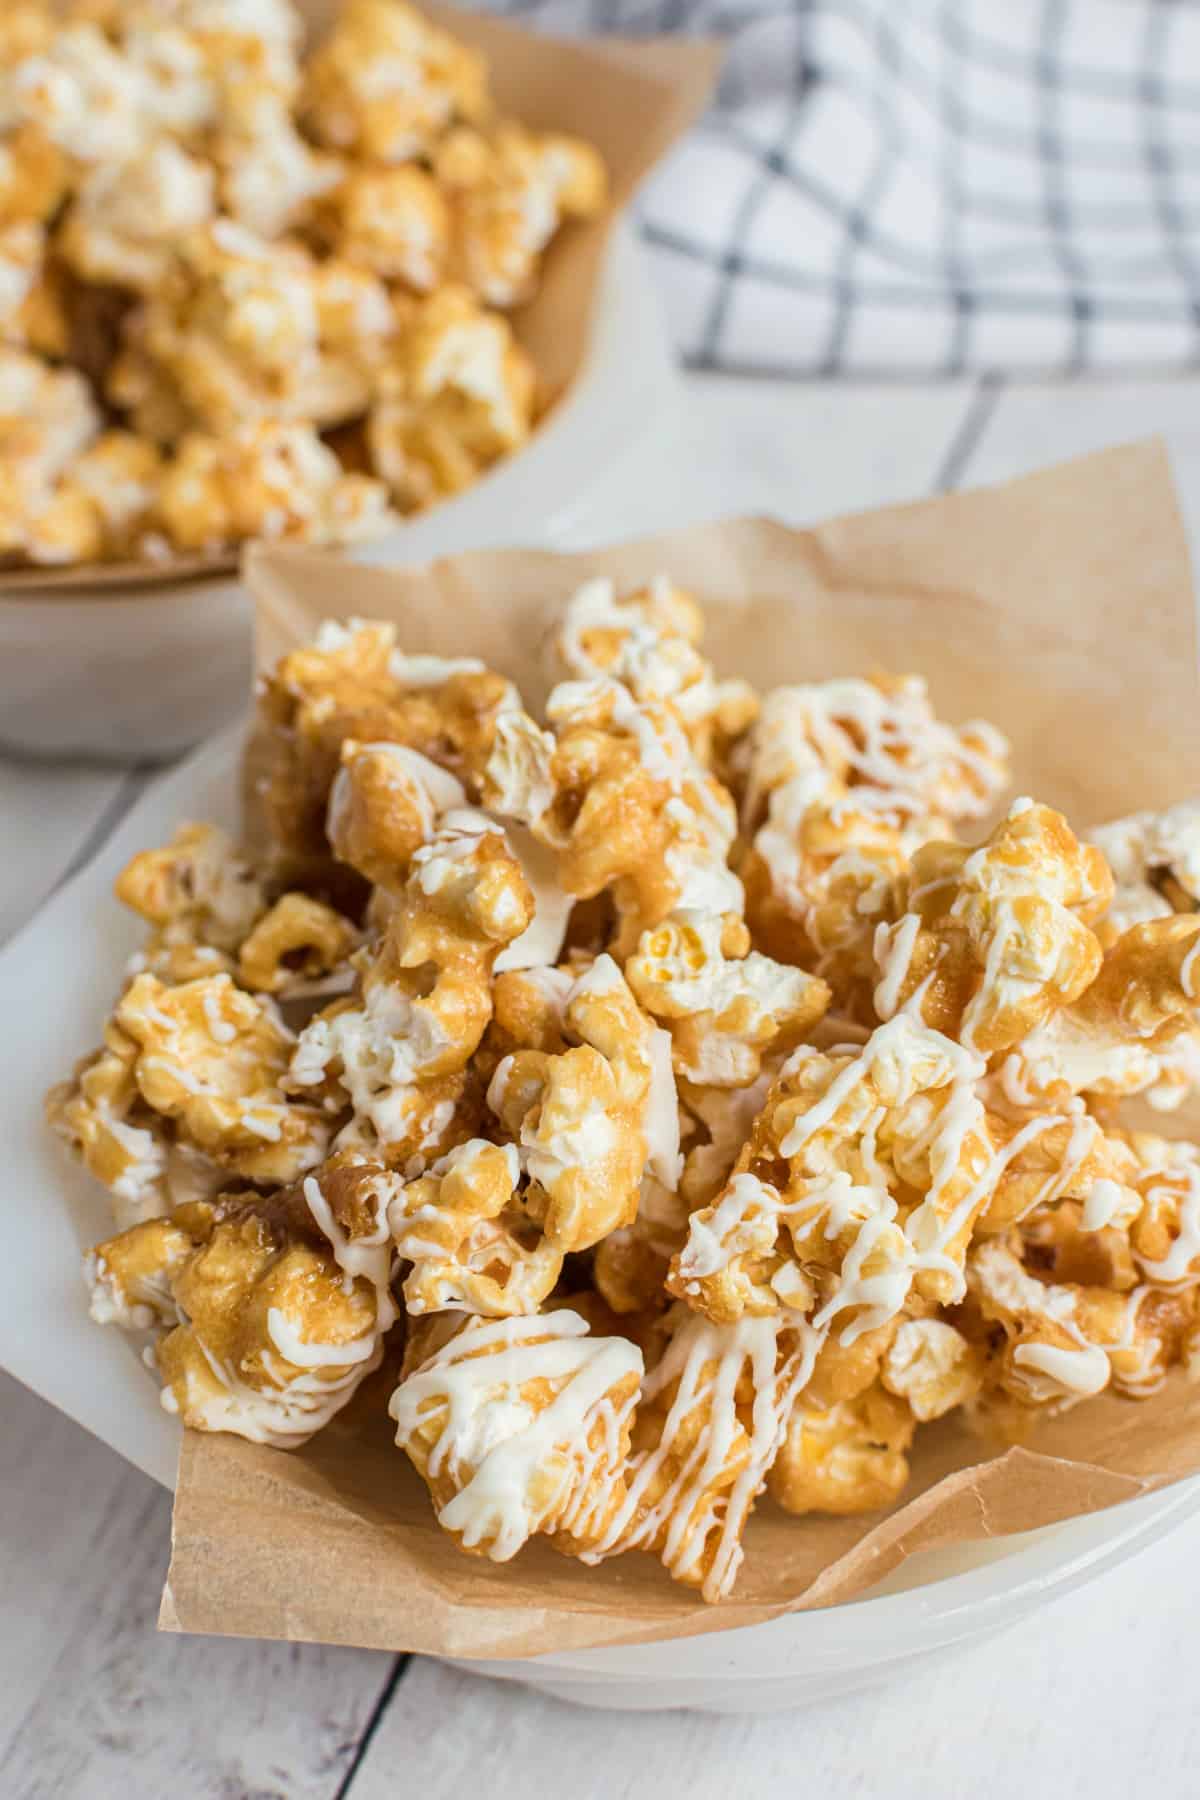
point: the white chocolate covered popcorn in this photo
(211, 1058)
(386, 81)
(47, 418)
(724, 1012)
(509, 189)
(271, 481)
(1155, 862)
(456, 394)
(716, 1121)
(710, 1422)
(521, 1426)
(261, 1330)
(842, 781)
(649, 642)
(993, 941)
(393, 221)
(397, 1051)
(246, 239)
(635, 812)
(128, 217)
(591, 1120)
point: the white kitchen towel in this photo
(928, 186)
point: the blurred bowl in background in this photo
(144, 675)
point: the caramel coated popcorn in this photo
(284, 244)
(712, 1113)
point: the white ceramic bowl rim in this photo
(940, 1611)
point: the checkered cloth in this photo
(929, 186)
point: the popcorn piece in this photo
(1155, 860)
(589, 1121)
(457, 394)
(47, 417)
(724, 1011)
(1044, 1156)
(1134, 1029)
(124, 225)
(1164, 1231)
(386, 82)
(102, 507)
(26, 28)
(1065, 1343)
(398, 1051)
(530, 1009)
(240, 332)
(470, 1238)
(196, 56)
(864, 1177)
(521, 1427)
(298, 942)
(710, 1423)
(269, 481)
(212, 1058)
(120, 1140)
(270, 177)
(263, 1334)
(384, 804)
(995, 940)
(355, 684)
(137, 387)
(845, 1458)
(820, 880)
(119, 475)
(129, 1277)
(516, 780)
(179, 85)
(231, 28)
(355, 312)
(510, 189)
(844, 779)
(63, 527)
(820, 1174)
(393, 221)
(649, 642)
(879, 738)
(201, 897)
(635, 812)
(81, 93)
(932, 1367)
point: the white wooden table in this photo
(1095, 1696)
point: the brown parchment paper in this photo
(631, 99)
(1060, 606)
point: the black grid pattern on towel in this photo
(932, 187)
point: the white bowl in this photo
(935, 1603)
(145, 675)
(57, 979)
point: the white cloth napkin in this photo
(928, 186)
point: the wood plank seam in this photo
(387, 1694)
